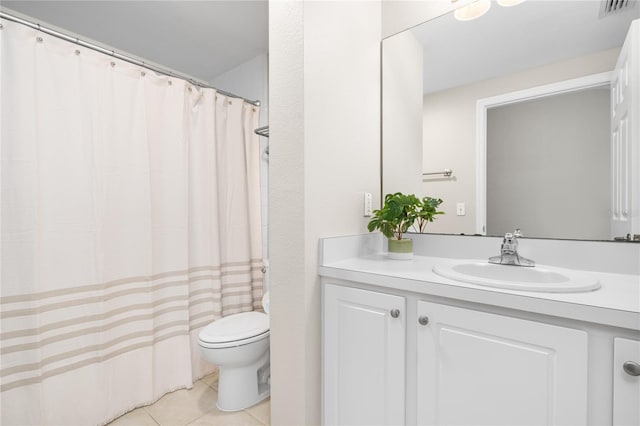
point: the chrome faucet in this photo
(509, 251)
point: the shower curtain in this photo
(130, 220)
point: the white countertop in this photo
(616, 303)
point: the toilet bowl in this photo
(239, 345)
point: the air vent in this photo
(610, 7)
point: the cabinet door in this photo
(626, 385)
(486, 369)
(364, 357)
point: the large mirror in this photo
(517, 105)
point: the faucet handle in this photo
(517, 233)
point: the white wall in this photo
(250, 80)
(402, 79)
(324, 86)
(449, 132)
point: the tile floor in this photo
(195, 407)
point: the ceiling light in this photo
(472, 10)
(508, 3)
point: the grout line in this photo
(217, 377)
(191, 421)
(149, 414)
(212, 407)
(256, 417)
(195, 420)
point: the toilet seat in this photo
(235, 330)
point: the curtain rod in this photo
(120, 56)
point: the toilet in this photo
(239, 345)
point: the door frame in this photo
(483, 105)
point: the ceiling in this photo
(204, 39)
(512, 39)
(201, 39)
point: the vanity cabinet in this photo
(626, 382)
(403, 345)
(479, 368)
(364, 357)
(394, 358)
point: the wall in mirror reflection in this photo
(509, 49)
(449, 141)
(549, 166)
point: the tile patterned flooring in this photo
(195, 407)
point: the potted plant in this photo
(394, 219)
(427, 212)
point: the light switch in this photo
(460, 209)
(368, 204)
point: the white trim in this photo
(482, 105)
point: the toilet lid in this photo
(235, 327)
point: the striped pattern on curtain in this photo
(199, 290)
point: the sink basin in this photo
(545, 279)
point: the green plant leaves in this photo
(427, 212)
(400, 211)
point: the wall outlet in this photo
(460, 209)
(368, 204)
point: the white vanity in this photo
(403, 345)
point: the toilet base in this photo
(240, 388)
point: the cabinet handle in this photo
(423, 320)
(395, 313)
(631, 368)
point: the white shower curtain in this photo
(130, 220)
